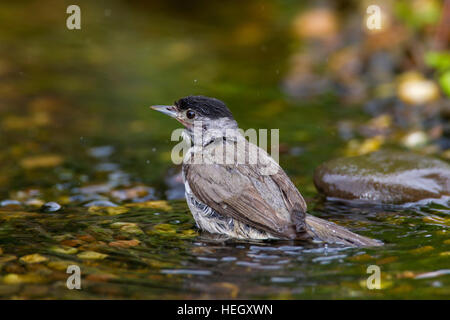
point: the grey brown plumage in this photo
(240, 191)
(244, 198)
(271, 203)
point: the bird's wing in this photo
(268, 202)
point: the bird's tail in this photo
(330, 232)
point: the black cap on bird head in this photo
(192, 108)
(204, 106)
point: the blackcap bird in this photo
(234, 188)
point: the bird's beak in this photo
(168, 110)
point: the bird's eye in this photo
(190, 114)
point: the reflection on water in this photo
(85, 163)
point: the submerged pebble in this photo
(101, 151)
(34, 203)
(51, 207)
(282, 279)
(188, 272)
(8, 203)
(384, 177)
(414, 89)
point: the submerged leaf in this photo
(159, 204)
(125, 243)
(42, 161)
(422, 249)
(33, 258)
(60, 265)
(91, 255)
(64, 250)
(14, 278)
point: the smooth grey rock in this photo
(384, 177)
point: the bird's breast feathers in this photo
(255, 191)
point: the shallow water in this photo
(173, 261)
(75, 129)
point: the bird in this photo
(236, 189)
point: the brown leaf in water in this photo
(102, 277)
(387, 260)
(33, 258)
(64, 249)
(125, 243)
(72, 242)
(87, 238)
(7, 258)
(91, 255)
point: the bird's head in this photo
(210, 113)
